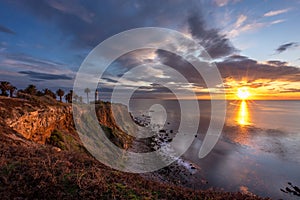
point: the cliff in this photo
(36, 118)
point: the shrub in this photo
(56, 139)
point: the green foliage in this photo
(56, 139)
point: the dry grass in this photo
(32, 171)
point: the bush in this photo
(56, 139)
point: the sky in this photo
(254, 44)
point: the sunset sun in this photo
(243, 93)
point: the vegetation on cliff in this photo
(34, 171)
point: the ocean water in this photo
(258, 151)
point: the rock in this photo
(36, 119)
(56, 149)
(37, 124)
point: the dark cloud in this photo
(286, 46)
(277, 63)
(24, 62)
(6, 30)
(36, 80)
(236, 57)
(292, 90)
(252, 70)
(215, 43)
(90, 22)
(27, 59)
(154, 91)
(182, 66)
(44, 76)
(110, 80)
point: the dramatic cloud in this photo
(26, 59)
(236, 57)
(23, 69)
(90, 22)
(286, 46)
(276, 12)
(290, 90)
(6, 30)
(84, 24)
(24, 62)
(277, 63)
(215, 43)
(36, 76)
(252, 70)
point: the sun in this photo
(243, 93)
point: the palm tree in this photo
(60, 93)
(4, 86)
(12, 89)
(49, 93)
(69, 96)
(87, 91)
(31, 89)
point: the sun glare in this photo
(243, 93)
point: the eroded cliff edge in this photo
(36, 118)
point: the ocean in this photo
(258, 151)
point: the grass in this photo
(32, 171)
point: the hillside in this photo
(41, 157)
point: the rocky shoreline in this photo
(181, 172)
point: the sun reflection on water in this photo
(243, 114)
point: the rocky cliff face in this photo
(36, 118)
(118, 120)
